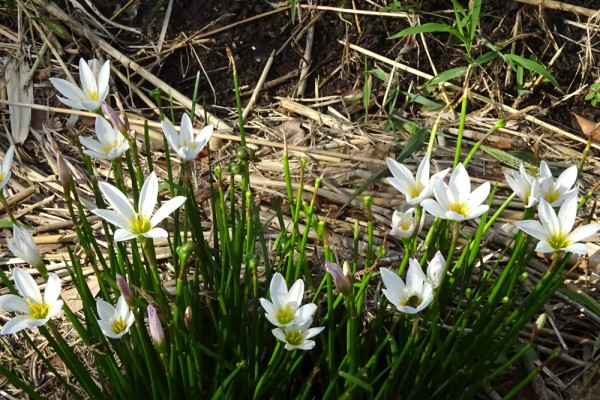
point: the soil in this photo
(542, 33)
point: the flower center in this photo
(285, 315)
(552, 195)
(92, 95)
(413, 301)
(118, 325)
(405, 224)
(416, 190)
(107, 148)
(140, 225)
(459, 207)
(294, 337)
(38, 310)
(559, 241)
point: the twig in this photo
(259, 85)
(557, 5)
(305, 63)
(357, 12)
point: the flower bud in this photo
(185, 251)
(125, 291)
(64, 175)
(156, 330)
(341, 277)
(187, 318)
(116, 119)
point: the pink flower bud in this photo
(341, 277)
(116, 119)
(156, 330)
(125, 291)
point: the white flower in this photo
(525, 186)
(554, 231)
(110, 144)
(455, 201)
(23, 246)
(6, 164)
(284, 308)
(416, 189)
(435, 269)
(142, 223)
(557, 192)
(412, 297)
(114, 323)
(37, 310)
(93, 91)
(403, 223)
(186, 144)
(296, 336)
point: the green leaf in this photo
(357, 381)
(425, 28)
(379, 74)
(419, 99)
(5, 223)
(532, 66)
(474, 13)
(583, 299)
(448, 75)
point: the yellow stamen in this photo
(38, 310)
(552, 195)
(559, 241)
(294, 337)
(140, 225)
(109, 146)
(285, 315)
(459, 207)
(118, 325)
(92, 95)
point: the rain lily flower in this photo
(416, 189)
(93, 91)
(6, 164)
(435, 269)
(23, 246)
(185, 143)
(557, 192)
(455, 201)
(114, 323)
(110, 144)
(412, 297)
(142, 223)
(525, 186)
(284, 308)
(36, 310)
(296, 336)
(342, 278)
(554, 232)
(403, 223)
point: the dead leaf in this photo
(18, 90)
(590, 128)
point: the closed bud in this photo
(341, 277)
(125, 291)
(156, 331)
(185, 251)
(187, 318)
(116, 119)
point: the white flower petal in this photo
(88, 80)
(117, 200)
(16, 324)
(305, 313)
(103, 78)
(576, 248)
(122, 235)
(148, 196)
(12, 303)
(583, 232)
(278, 290)
(105, 310)
(433, 208)
(52, 290)
(567, 214)
(26, 285)
(533, 228)
(548, 218)
(114, 218)
(544, 247)
(156, 233)
(296, 292)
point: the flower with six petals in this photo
(142, 223)
(525, 186)
(555, 232)
(93, 91)
(412, 297)
(110, 144)
(455, 200)
(185, 143)
(557, 192)
(36, 310)
(415, 188)
(114, 322)
(284, 308)
(296, 336)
